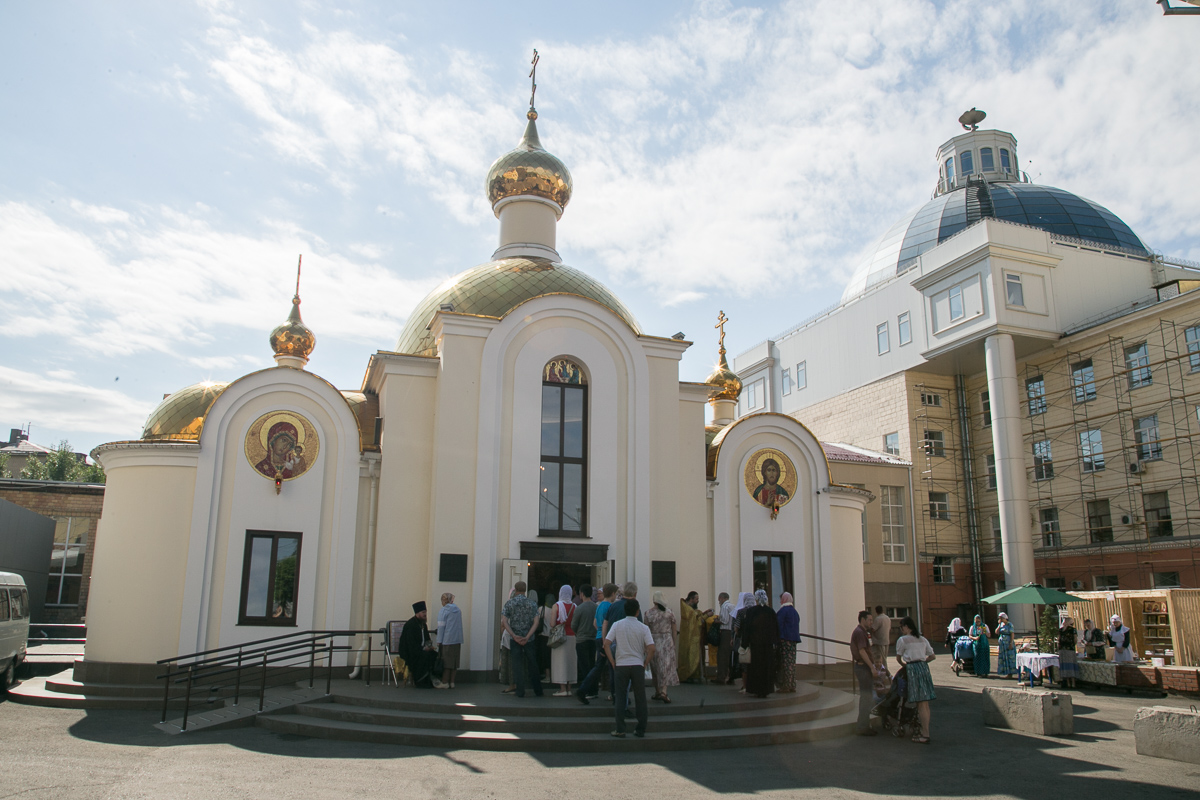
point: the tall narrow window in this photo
(986, 162)
(891, 443)
(1051, 537)
(787, 381)
(1035, 393)
(1158, 514)
(1043, 461)
(801, 375)
(892, 505)
(1099, 521)
(985, 406)
(1014, 290)
(1083, 380)
(1192, 337)
(270, 578)
(563, 502)
(1137, 361)
(997, 536)
(967, 162)
(989, 463)
(66, 561)
(881, 338)
(1091, 450)
(904, 329)
(949, 171)
(1005, 163)
(1149, 448)
(956, 303)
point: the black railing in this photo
(275, 661)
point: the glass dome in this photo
(1045, 207)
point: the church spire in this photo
(727, 386)
(292, 342)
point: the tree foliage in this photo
(61, 464)
(4, 471)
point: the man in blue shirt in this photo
(520, 618)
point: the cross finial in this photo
(721, 320)
(299, 260)
(533, 77)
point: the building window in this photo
(930, 399)
(773, 572)
(892, 505)
(1146, 434)
(997, 539)
(1099, 520)
(1137, 361)
(989, 463)
(898, 612)
(1166, 580)
(891, 443)
(934, 444)
(1105, 583)
(1091, 450)
(967, 162)
(1192, 336)
(904, 329)
(1055, 583)
(1083, 379)
(939, 505)
(801, 375)
(270, 570)
(950, 171)
(562, 505)
(1035, 392)
(956, 303)
(1158, 514)
(943, 569)
(1051, 536)
(881, 338)
(1014, 291)
(1005, 164)
(1043, 461)
(66, 561)
(985, 404)
(787, 381)
(755, 395)
(987, 162)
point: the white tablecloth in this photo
(1036, 662)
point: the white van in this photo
(14, 626)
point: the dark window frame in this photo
(269, 620)
(787, 572)
(562, 460)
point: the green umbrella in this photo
(1032, 594)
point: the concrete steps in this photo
(699, 717)
(61, 691)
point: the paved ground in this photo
(53, 753)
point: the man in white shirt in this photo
(725, 648)
(634, 646)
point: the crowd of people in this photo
(869, 644)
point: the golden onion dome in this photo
(529, 170)
(726, 381)
(180, 416)
(496, 288)
(293, 337)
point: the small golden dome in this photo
(529, 170)
(728, 384)
(293, 338)
(180, 416)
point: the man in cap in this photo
(417, 649)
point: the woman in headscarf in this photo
(1006, 658)
(665, 666)
(954, 630)
(981, 648)
(506, 672)
(789, 636)
(1118, 637)
(760, 632)
(744, 604)
(1068, 663)
(563, 664)
(1093, 640)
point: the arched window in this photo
(986, 162)
(1005, 164)
(949, 172)
(967, 163)
(562, 507)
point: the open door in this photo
(602, 572)
(511, 571)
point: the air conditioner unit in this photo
(1076, 585)
(1126, 519)
(1136, 467)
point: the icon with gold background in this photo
(282, 445)
(770, 479)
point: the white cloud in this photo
(56, 401)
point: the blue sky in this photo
(164, 164)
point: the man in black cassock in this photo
(417, 648)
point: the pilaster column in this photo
(1012, 485)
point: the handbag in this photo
(744, 655)
(714, 635)
(557, 637)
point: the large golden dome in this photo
(529, 170)
(496, 288)
(180, 416)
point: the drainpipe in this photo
(912, 527)
(372, 527)
(964, 426)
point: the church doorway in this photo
(545, 577)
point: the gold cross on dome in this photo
(721, 320)
(533, 76)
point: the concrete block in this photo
(1166, 732)
(1045, 713)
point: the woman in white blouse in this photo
(913, 652)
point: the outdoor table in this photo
(1034, 663)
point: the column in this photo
(1012, 485)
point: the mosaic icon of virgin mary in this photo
(281, 445)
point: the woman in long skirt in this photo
(789, 636)
(1006, 658)
(760, 631)
(913, 652)
(1068, 662)
(665, 666)
(981, 648)
(563, 658)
